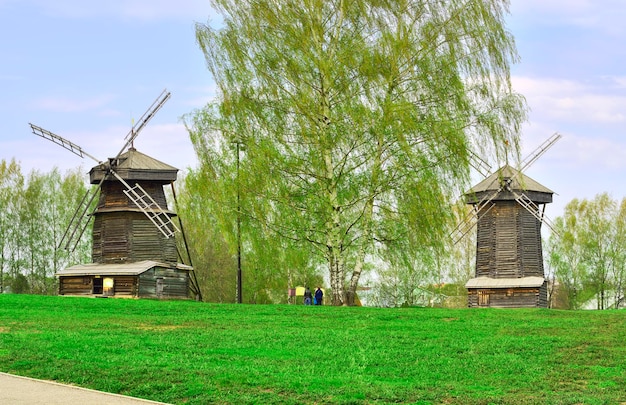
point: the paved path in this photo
(15, 390)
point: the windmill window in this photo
(97, 286)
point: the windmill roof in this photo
(519, 182)
(488, 282)
(133, 164)
(117, 269)
(133, 159)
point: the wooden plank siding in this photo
(508, 243)
(112, 194)
(129, 236)
(75, 285)
(534, 297)
(122, 285)
(125, 286)
(175, 283)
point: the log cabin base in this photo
(523, 292)
(144, 279)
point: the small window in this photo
(97, 286)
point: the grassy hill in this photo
(197, 353)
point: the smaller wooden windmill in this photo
(509, 210)
(134, 251)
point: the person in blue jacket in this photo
(319, 296)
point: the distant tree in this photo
(587, 252)
(358, 118)
(33, 225)
(10, 187)
(19, 284)
(34, 214)
(618, 267)
(565, 256)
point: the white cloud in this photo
(575, 102)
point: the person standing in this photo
(307, 296)
(319, 296)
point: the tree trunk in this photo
(337, 277)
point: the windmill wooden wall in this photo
(509, 258)
(508, 242)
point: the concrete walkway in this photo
(15, 390)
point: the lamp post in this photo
(239, 283)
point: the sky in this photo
(86, 70)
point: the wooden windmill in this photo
(134, 251)
(509, 210)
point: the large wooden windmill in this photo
(509, 210)
(134, 251)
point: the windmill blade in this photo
(59, 140)
(195, 286)
(470, 222)
(149, 207)
(531, 207)
(484, 205)
(79, 222)
(479, 164)
(147, 116)
(541, 149)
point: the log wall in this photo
(75, 285)
(508, 242)
(123, 286)
(129, 236)
(533, 297)
(162, 282)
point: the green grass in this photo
(196, 353)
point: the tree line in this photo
(587, 254)
(35, 210)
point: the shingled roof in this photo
(135, 165)
(519, 181)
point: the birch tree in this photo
(10, 185)
(359, 117)
(588, 251)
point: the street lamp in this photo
(239, 283)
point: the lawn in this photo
(186, 352)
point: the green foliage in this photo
(357, 118)
(196, 353)
(588, 252)
(19, 284)
(34, 213)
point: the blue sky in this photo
(85, 70)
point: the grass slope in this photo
(198, 353)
